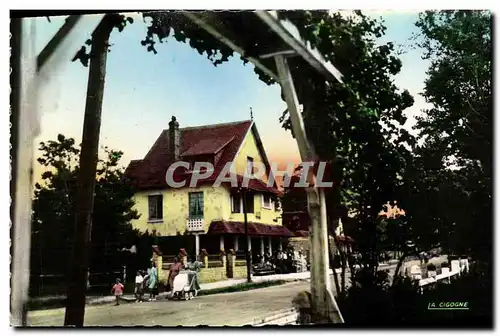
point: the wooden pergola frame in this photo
(30, 71)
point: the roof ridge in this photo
(214, 125)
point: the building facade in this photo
(208, 216)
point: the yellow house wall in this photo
(267, 216)
(249, 149)
(176, 209)
(217, 202)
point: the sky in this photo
(143, 91)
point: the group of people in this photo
(287, 261)
(145, 281)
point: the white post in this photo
(262, 246)
(270, 247)
(236, 244)
(323, 302)
(280, 244)
(222, 243)
(197, 246)
(26, 122)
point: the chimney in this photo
(174, 139)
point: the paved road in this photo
(231, 309)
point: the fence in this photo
(216, 267)
(56, 284)
(457, 267)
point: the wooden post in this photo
(236, 243)
(324, 307)
(75, 303)
(262, 251)
(248, 246)
(197, 246)
(221, 243)
(24, 130)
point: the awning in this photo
(254, 229)
(344, 239)
(302, 233)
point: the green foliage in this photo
(345, 122)
(448, 192)
(460, 123)
(403, 304)
(54, 210)
(112, 21)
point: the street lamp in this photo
(243, 192)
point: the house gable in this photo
(252, 147)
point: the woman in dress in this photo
(175, 268)
(153, 282)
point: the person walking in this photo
(153, 282)
(175, 268)
(117, 290)
(138, 287)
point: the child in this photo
(118, 291)
(138, 286)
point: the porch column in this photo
(249, 240)
(222, 243)
(262, 246)
(280, 244)
(236, 243)
(197, 245)
(270, 247)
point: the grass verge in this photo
(242, 287)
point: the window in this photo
(277, 205)
(237, 203)
(249, 202)
(196, 205)
(266, 202)
(155, 207)
(250, 166)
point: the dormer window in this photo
(250, 166)
(192, 161)
(266, 202)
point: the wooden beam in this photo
(291, 36)
(324, 306)
(216, 31)
(33, 72)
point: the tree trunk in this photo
(342, 261)
(76, 295)
(324, 306)
(335, 276)
(398, 267)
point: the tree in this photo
(54, 209)
(354, 125)
(457, 130)
(75, 305)
(366, 163)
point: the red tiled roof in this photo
(149, 172)
(254, 229)
(258, 185)
(345, 239)
(302, 233)
(208, 146)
